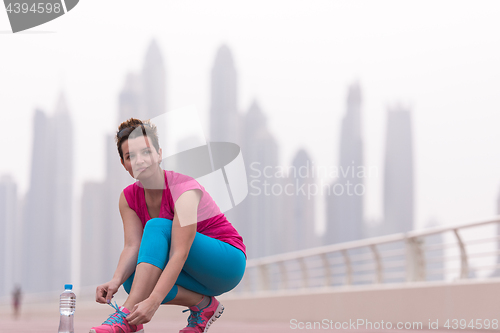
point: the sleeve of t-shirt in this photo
(128, 192)
(181, 184)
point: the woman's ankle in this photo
(127, 306)
(205, 300)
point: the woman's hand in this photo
(105, 292)
(143, 312)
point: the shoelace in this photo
(194, 318)
(117, 317)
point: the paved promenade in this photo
(158, 325)
(168, 319)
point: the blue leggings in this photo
(212, 267)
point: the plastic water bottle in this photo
(67, 309)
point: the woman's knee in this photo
(155, 243)
(233, 276)
(159, 224)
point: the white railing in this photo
(439, 254)
(443, 253)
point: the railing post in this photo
(263, 273)
(378, 264)
(415, 268)
(326, 270)
(305, 276)
(348, 268)
(246, 282)
(464, 264)
(284, 275)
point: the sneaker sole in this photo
(217, 314)
(141, 331)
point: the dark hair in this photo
(126, 130)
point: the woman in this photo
(179, 248)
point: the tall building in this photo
(224, 117)
(259, 216)
(47, 211)
(344, 201)
(62, 168)
(8, 224)
(101, 216)
(130, 104)
(300, 228)
(398, 172)
(95, 235)
(37, 209)
(143, 95)
(153, 82)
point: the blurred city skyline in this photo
(273, 221)
(377, 73)
(427, 59)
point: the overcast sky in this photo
(297, 58)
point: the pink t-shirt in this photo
(211, 222)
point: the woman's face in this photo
(140, 160)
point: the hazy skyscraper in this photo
(95, 235)
(61, 169)
(344, 202)
(398, 172)
(153, 82)
(115, 182)
(143, 95)
(101, 216)
(37, 210)
(47, 211)
(301, 225)
(130, 103)
(8, 225)
(224, 116)
(260, 214)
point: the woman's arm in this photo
(132, 227)
(183, 233)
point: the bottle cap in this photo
(68, 287)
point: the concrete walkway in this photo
(45, 325)
(44, 318)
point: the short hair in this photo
(126, 130)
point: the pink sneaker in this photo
(200, 319)
(117, 323)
